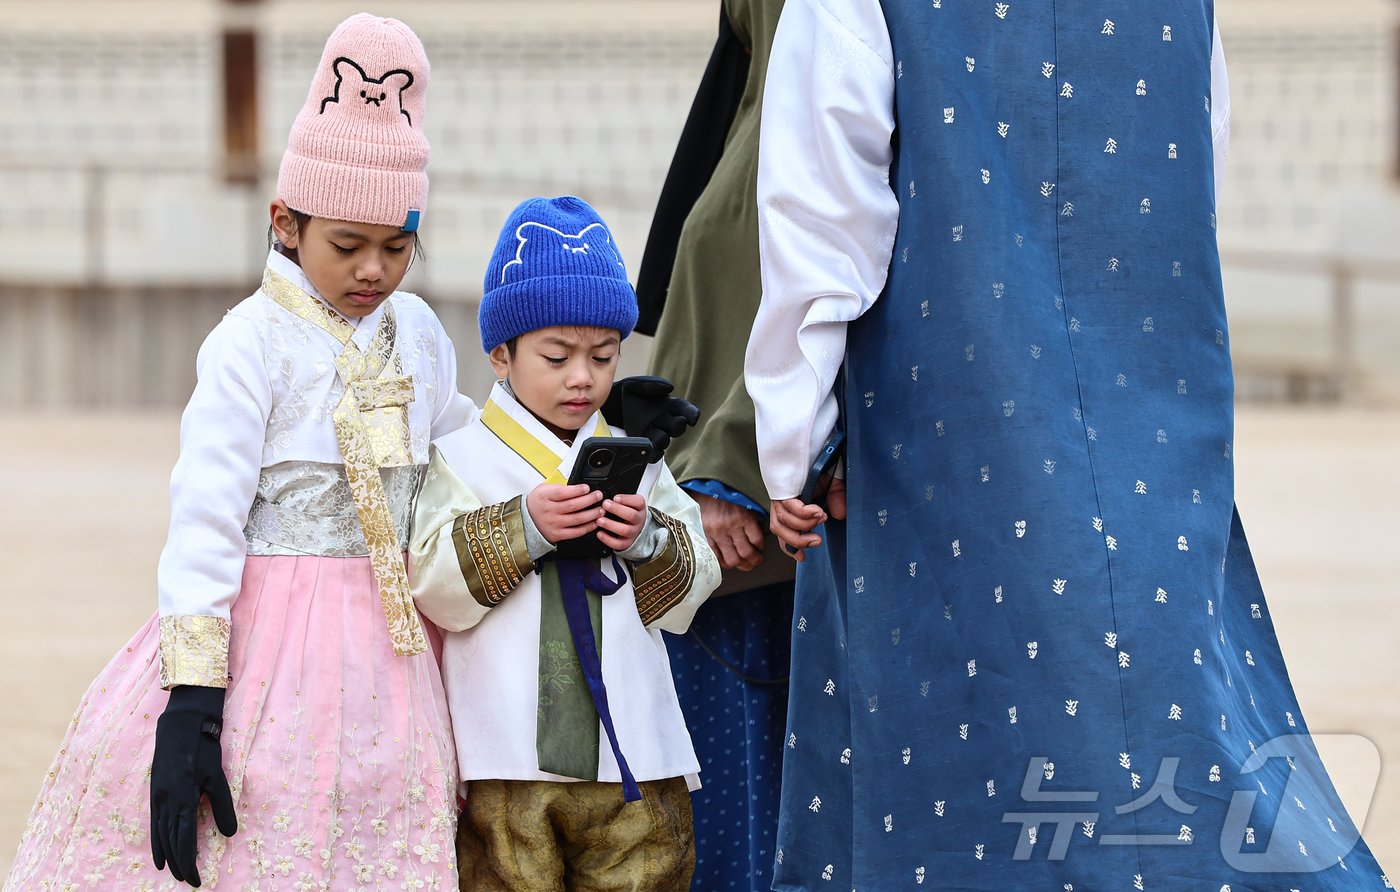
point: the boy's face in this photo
(561, 374)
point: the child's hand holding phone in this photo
(563, 512)
(612, 467)
(626, 515)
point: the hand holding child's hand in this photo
(628, 517)
(564, 512)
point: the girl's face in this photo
(561, 374)
(354, 266)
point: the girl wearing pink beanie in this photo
(280, 722)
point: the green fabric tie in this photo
(566, 728)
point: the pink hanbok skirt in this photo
(339, 754)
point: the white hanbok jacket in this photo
(473, 575)
(260, 469)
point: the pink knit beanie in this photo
(357, 150)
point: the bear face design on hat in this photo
(357, 150)
(590, 252)
(372, 90)
(555, 263)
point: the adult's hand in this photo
(734, 533)
(792, 521)
(836, 499)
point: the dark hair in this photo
(301, 219)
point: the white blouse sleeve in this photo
(454, 409)
(827, 220)
(827, 217)
(211, 492)
(1219, 110)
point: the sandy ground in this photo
(85, 518)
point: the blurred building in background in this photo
(141, 152)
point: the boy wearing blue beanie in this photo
(555, 670)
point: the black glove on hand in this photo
(643, 407)
(188, 763)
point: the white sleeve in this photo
(216, 476)
(826, 220)
(1219, 110)
(454, 409)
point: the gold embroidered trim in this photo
(382, 392)
(664, 581)
(491, 550)
(372, 433)
(194, 650)
(383, 405)
(525, 444)
(297, 302)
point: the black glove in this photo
(188, 763)
(643, 407)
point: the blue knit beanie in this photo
(554, 264)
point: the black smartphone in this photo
(819, 477)
(613, 466)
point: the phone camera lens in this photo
(600, 459)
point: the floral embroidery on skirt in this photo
(339, 754)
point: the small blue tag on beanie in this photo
(410, 223)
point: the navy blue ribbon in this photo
(578, 576)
